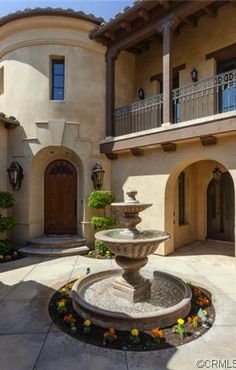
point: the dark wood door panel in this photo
(60, 198)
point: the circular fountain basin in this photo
(123, 242)
(94, 299)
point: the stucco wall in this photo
(49, 129)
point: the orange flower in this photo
(157, 332)
(105, 334)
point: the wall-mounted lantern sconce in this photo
(216, 173)
(141, 93)
(97, 176)
(15, 173)
(194, 75)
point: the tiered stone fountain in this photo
(125, 299)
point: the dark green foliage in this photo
(5, 246)
(103, 223)
(6, 200)
(7, 223)
(101, 248)
(100, 199)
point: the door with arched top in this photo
(60, 208)
(220, 208)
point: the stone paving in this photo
(29, 340)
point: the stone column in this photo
(167, 73)
(111, 56)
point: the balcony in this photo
(204, 98)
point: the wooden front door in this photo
(60, 198)
(220, 208)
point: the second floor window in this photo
(58, 79)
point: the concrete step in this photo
(54, 252)
(57, 242)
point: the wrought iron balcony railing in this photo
(216, 94)
(211, 96)
(142, 115)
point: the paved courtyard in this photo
(29, 340)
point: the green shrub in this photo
(6, 200)
(100, 199)
(7, 223)
(101, 248)
(5, 246)
(103, 223)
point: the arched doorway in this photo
(220, 208)
(60, 198)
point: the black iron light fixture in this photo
(15, 173)
(194, 75)
(216, 173)
(141, 93)
(97, 176)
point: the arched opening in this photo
(191, 201)
(220, 208)
(42, 163)
(60, 198)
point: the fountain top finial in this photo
(131, 196)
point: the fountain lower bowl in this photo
(93, 299)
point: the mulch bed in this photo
(13, 255)
(123, 341)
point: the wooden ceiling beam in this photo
(126, 25)
(110, 35)
(188, 21)
(143, 13)
(210, 11)
(165, 4)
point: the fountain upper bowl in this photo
(123, 242)
(131, 207)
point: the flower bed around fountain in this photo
(199, 320)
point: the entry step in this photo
(54, 252)
(63, 242)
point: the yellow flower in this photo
(61, 304)
(180, 322)
(135, 332)
(87, 323)
(63, 290)
(78, 277)
(205, 312)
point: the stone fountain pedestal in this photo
(132, 285)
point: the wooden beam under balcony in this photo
(169, 147)
(137, 152)
(111, 156)
(208, 140)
